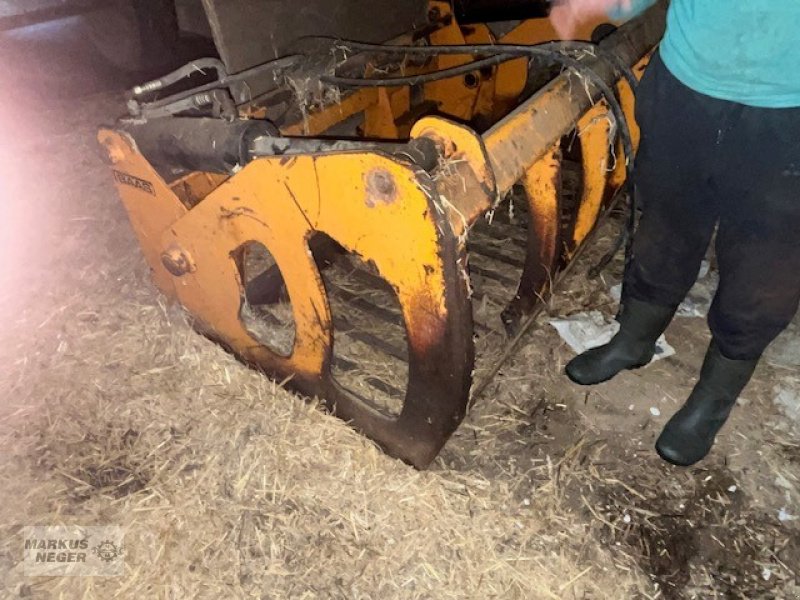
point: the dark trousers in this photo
(704, 163)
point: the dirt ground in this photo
(115, 412)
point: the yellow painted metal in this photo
(594, 134)
(193, 187)
(410, 224)
(215, 231)
(474, 173)
(369, 203)
(483, 80)
(542, 183)
(151, 205)
(627, 100)
(381, 119)
(317, 122)
(465, 183)
(387, 204)
(512, 75)
(453, 93)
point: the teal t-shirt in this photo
(745, 51)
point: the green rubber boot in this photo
(690, 433)
(634, 345)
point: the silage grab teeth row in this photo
(361, 270)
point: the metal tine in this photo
(346, 327)
(494, 276)
(496, 255)
(374, 382)
(379, 312)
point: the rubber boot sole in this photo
(633, 368)
(667, 456)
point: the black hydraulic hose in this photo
(371, 82)
(565, 54)
(555, 52)
(544, 49)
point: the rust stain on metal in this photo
(427, 323)
(381, 188)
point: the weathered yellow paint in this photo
(368, 203)
(455, 98)
(512, 75)
(151, 210)
(259, 204)
(317, 122)
(410, 224)
(594, 131)
(483, 105)
(380, 120)
(627, 100)
(465, 183)
(542, 183)
(282, 202)
(193, 187)
(373, 207)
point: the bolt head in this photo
(177, 261)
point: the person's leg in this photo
(679, 134)
(758, 252)
(758, 243)
(674, 187)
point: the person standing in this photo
(719, 113)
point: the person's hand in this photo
(567, 15)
